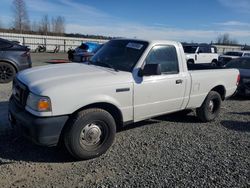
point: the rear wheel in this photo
(214, 63)
(210, 108)
(190, 62)
(7, 72)
(90, 133)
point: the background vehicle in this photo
(126, 81)
(84, 52)
(226, 57)
(40, 48)
(243, 64)
(13, 58)
(200, 54)
(56, 49)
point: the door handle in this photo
(179, 81)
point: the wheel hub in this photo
(211, 106)
(5, 73)
(91, 134)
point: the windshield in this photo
(190, 49)
(233, 53)
(119, 54)
(247, 54)
(241, 63)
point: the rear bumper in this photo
(41, 130)
(25, 65)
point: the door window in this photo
(204, 49)
(247, 54)
(166, 56)
(4, 44)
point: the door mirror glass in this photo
(150, 70)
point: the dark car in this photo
(13, 58)
(228, 56)
(243, 64)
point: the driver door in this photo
(160, 94)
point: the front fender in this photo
(96, 99)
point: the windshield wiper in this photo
(103, 63)
(110, 66)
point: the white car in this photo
(201, 54)
(126, 81)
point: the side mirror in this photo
(150, 70)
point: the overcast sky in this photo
(182, 20)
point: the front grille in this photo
(20, 92)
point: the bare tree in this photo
(225, 39)
(44, 26)
(53, 25)
(21, 19)
(58, 25)
(34, 26)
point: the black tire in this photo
(214, 63)
(86, 128)
(190, 62)
(7, 72)
(210, 108)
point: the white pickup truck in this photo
(127, 81)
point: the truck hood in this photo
(76, 75)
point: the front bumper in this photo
(41, 130)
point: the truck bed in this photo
(201, 67)
(205, 78)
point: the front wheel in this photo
(210, 108)
(90, 133)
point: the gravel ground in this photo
(168, 151)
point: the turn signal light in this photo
(43, 105)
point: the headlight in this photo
(39, 103)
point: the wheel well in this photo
(11, 63)
(112, 109)
(190, 60)
(221, 90)
(214, 60)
